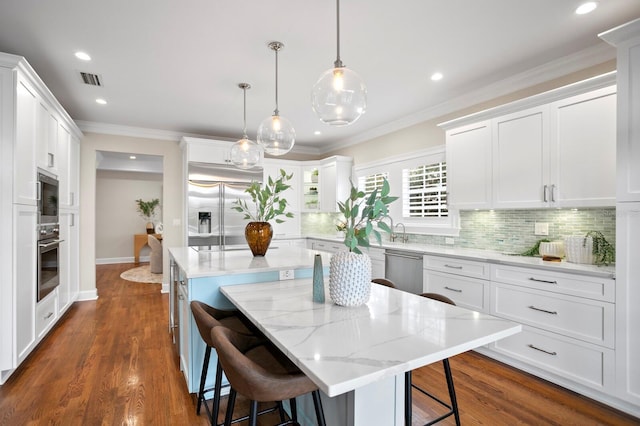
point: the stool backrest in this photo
(384, 281)
(207, 317)
(438, 297)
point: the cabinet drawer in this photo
(468, 268)
(587, 364)
(464, 291)
(584, 319)
(46, 314)
(326, 246)
(557, 282)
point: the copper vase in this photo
(258, 236)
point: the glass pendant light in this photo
(276, 134)
(245, 153)
(339, 97)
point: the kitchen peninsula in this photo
(199, 274)
(362, 352)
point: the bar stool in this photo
(207, 318)
(384, 281)
(261, 374)
(453, 406)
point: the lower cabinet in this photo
(322, 245)
(466, 282)
(46, 314)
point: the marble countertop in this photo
(342, 349)
(492, 257)
(197, 264)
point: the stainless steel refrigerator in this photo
(212, 189)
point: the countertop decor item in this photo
(603, 252)
(350, 271)
(147, 210)
(318, 280)
(268, 205)
(535, 250)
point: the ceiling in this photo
(174, 66)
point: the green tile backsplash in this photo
(509, 231)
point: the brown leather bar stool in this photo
(453, 406)
(208, 318)
(384, 281)
(261, 374)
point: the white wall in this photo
(172, 196)
(117, 218)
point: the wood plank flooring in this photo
(111, 362)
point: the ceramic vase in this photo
(150, 228)
(258, 236)
(318, 280)
(350, 278)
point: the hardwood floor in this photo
(111, 362)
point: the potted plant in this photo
(147, 211)
(603, 252)
(350, 270)
(268, 205)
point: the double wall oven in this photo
(48, 235)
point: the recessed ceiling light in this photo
(101, 101)
(83, 56)
(587, 7)
(317, 132)
(132, 157)
(436, 76)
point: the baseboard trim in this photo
(113, 260)
(87, 295)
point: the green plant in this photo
(268, 204)
(147, 208)
(535, 250)
(361, 212)
(603, 252)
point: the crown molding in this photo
(583, 59)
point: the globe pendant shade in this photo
(339, 97)
(245, 154)
(276, 135)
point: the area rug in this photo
(141, 274)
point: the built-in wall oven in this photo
(47, 198)
(48, 259)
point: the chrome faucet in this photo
(404, 238)
(393, 236)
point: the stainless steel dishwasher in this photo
(404, 268)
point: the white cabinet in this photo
(469, 166)
(24, 179)
(322, 245)
(520, 153)
(559, 153)
(46, 138)
(463, 281)
(583, 150)
(325, 183)
(570, 328)
(185, 321)
(69, 267)
(206, 150)
(69, 165)
(25, 249)
(377, 262)
(46, 314)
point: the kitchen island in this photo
(358, 356)
(199, 274)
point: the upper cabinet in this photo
(206, 150)
(558, 153)
(326, 182)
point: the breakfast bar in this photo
(358, 356)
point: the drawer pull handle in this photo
(542, 281)
(453, 289)
(542, 350)
(452, 266)
(543, 310)
(49, 315)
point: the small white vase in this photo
(349, 278)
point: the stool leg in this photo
(253, 413)
(230, 406)
(452, 391)
(203, 377)
(408, 414)
(294, 409)
(317, 402)
(217, 389)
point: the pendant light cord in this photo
(338, 62)
(244, 128)
(276, 112)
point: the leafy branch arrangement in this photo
(147, 208)
(535, 250)
(361, 212)
(603, 252)
(268, 203)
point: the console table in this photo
(139, 241)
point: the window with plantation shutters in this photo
(424, 191)
(368, 184)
